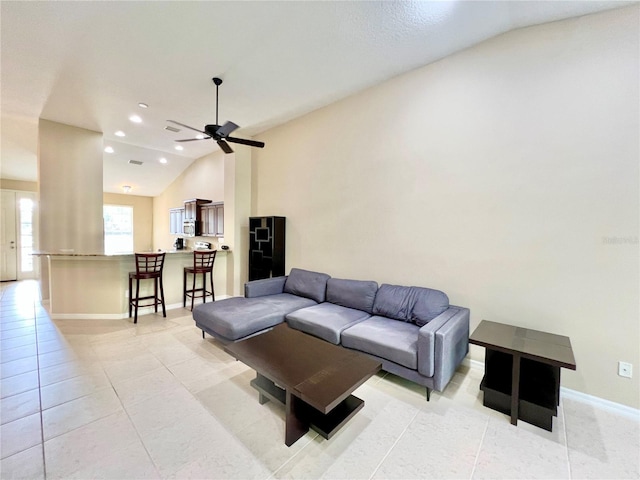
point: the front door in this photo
(8, 239)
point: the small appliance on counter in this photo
(179, 244)
(202, 246)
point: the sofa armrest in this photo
(442, 344)
(266, 286)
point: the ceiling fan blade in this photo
(192, 139)
(225, 146)
(186, 126)
(251, 143)
(226, 129)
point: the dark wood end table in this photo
(312, 378)
(522, 371)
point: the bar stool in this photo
(202, 263)
(148, 266)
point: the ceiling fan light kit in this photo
(216, 132)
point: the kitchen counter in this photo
(64, 253)
(96, 286)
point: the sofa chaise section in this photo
(265, 304)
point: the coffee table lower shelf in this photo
(326, 424)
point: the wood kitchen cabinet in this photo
(176, 219)
(212, 220)
(193, 207)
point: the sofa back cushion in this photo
(393, 301)
(429, 304)
(410, 304)
(307, 284)
(358, 294)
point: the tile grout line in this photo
(394, 444)
(292, 457)
(566, 439)
(133, 425)
(475, 462)
(124, 408)
(309, 442)
(44, 459)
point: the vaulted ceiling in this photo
(89, 64)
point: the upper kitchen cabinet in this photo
(192, 208)
(176, 219)
(212, 220)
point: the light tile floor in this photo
(109, 399)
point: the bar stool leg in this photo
(155, 295)
(193, 290)
(204, 287)
(184, 288)
(135, 318)
(213, 294)
(164, 310)
(130, 296)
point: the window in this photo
(118, 229)
(25, 215)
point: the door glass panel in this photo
(26, 235)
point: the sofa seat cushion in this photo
(237, 317)
(326, 320)
(385, 338)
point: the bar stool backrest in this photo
(203, 259)
(149, 263)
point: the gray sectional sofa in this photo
(412, 331)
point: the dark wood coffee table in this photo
(312, 378)
(522, 371)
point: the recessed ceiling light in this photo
(179, 147)
(126, 188)
(163, 160)
(108, 149)
(200, 136)
(120, 133)
(143, 105)
(135, 119)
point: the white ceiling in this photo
(88, 64)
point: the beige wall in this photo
(142, 218)
(70, 192)
(237, 198)
(70, 179)
(505, 175)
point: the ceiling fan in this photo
(219, 133)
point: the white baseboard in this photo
(596, 402)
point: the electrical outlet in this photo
(625, 369)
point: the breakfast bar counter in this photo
(95, 286)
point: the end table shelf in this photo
(522, 371)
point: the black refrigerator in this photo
(266, 247)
